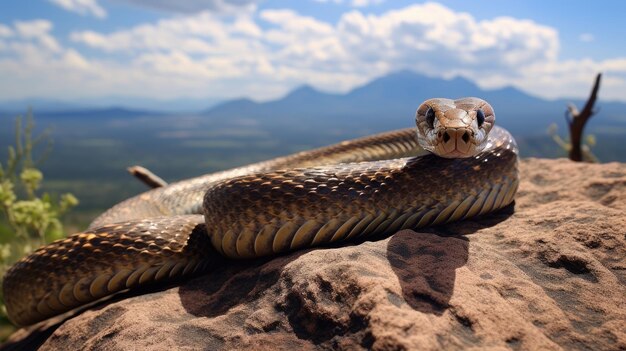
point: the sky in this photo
(70, 50)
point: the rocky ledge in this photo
(548, 273)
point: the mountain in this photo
(385, 103)
(390, 101)
(18, 106)
(96, 113)
(103, 103)
(309, 117)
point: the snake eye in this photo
(480, 117)
(430, 117)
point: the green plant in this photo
(590, 141)
(28, 218)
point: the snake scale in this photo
(457, 165)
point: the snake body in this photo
(363, 188)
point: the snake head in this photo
(454, 128)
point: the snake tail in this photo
(99, 262)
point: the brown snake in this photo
(363, 188)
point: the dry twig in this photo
(147, 177)
(577, 120)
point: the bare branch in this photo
(572, 109)
(587, 110)
(147, 177)
(579, 120)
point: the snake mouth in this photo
(456, 143)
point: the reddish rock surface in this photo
(549, 274)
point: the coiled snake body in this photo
(364, 188)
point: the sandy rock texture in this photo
(548, 274)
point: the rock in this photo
(549, 274)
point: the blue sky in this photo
(214, 49)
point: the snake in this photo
(454, 165)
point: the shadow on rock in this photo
(425, 265)
(426, 262)
(230, 283)
(31, 338)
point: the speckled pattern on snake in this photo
(454, 166)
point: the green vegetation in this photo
(589, 142)
(28, 219)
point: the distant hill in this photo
(83, 114)
(385, 103)
(97, 113)
(102, 103)
(15, 106)
(390, 101)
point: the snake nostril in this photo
(466, 137)
(446, 137)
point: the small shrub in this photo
(28, 218)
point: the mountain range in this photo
(390, 102)
(385, 103)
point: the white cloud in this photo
(82, 7)
(364, 3)
(354, 3)
(200, 34)
(264, 54)
(429, 38)
(5, 31)
(91, 7)
(193, 6)
(586, 37)
(35, 31)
